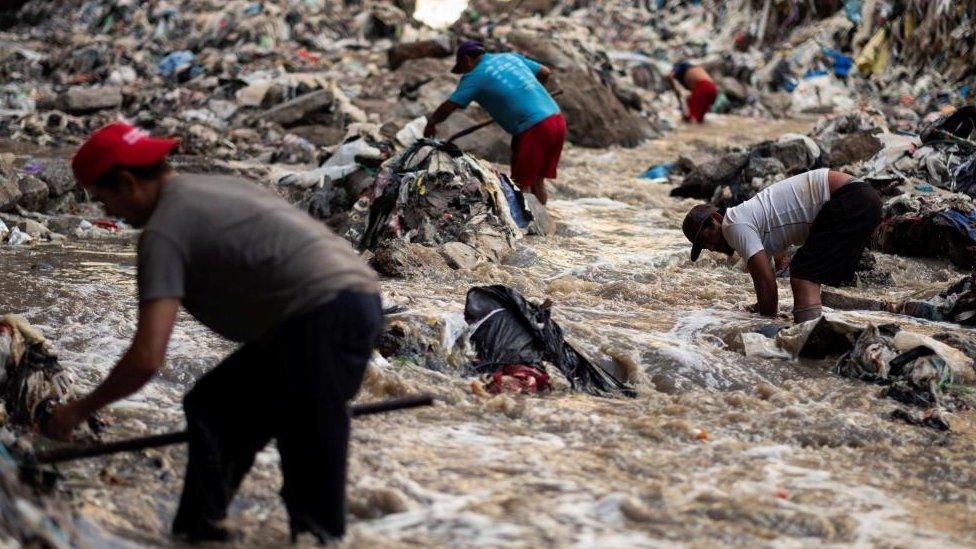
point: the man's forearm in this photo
(441, 113)
(128, 376)
(767, 296)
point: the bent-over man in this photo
(510, 87)
(830, 215)
(257, 271)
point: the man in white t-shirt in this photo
(827, 213)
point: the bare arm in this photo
(764, 280)
(543, 75)
(677, 93)
(136, 367)
(438, 116)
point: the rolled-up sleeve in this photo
(161, 267)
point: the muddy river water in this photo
(717, 448)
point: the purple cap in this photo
(467, 49)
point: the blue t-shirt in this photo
(504, 84)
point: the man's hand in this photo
(63, 421)
(430, 130)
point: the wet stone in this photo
(459, 256)
(82, 100)
(34, 193)
(10, 194)
(542, 223)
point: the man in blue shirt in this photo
(510, 87)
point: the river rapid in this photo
(717, 449)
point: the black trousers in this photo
(292, 386)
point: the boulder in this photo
(57, 174)
(68, 224)
(542, 223)
(709, 175)
(80, 100)
(459, 255)
(491, 143)
(34, 229)
(33, 193)
(794, 155)
(852, 148)
(9, 193)
(400, 53)
(295, 110)
(594, 115)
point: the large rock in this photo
(33, 193)
(794, 154)
(400, 53)
(295, 110)
(709, 175)
(79, 100)
(542, 223)
(594, 115)
(56, 172)
(459, 255)
(9, 193)
(851, 148)
(491, 143)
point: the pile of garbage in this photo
(511, 343)
(954, 303)
(436, 196)
(916, 370)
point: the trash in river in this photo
(517, 378)
(437, 196)
(658, 173)
(30, 374)
(508, 330)
(957, 303)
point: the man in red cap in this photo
(510, 87)
(828, 214)
(257, 271)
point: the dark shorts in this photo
(838, 236)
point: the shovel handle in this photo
(69, 453)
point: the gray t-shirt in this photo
(242, 259)
(778, 217)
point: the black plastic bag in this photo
(511, 330)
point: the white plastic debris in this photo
(18, 237)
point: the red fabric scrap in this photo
(518, 378)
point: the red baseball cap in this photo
(117, 144)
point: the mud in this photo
(717, 449)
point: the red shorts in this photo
(701, 100)
(536, 151)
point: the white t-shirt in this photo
(778, 217)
